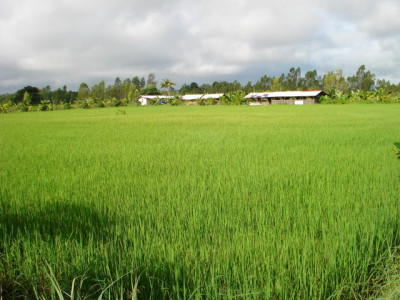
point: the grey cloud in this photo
(67, 42)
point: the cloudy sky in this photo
(66, 42)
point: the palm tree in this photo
(167, 84)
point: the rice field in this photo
(279, 202)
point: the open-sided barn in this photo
(146, 99)
(192, 99)
(287, 97)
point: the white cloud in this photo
(67, 42)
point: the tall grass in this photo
(279, 202)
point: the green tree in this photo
(264, 84)
(329, 82)
(83, 92)
(117, 88)
(311, 81)
(125, 87)
(335, 81)
(150, 90)
(341, 83)
(363, 80)
(276, 84)
(167, 84)
(292, 78)
(45, 93)
(133, 93)
(33, 91)
(27, 99)
(151, 80)
(248, 88)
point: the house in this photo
(146, 99)
(288, 97)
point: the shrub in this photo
(3, 108)
(116, 102)
(154, 101)
(210, 101)
(136, 103)
(175, 101)
(24, 108)
(225, 100)
(200, 101)
(44, 105)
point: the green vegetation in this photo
(298, 202)
(359, 88)
(397, 145)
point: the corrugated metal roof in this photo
(288, 94)
(291, 94)
(256, 95)
(214, 96)
(192, 97)
(154, 97)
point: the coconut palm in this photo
(167, 84)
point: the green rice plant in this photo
(397, 149)
(269, 202)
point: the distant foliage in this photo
(377, 96)
(362, 87)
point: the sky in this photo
(66, 42)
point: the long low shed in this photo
(288, 97)
(192, 99)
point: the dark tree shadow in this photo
(66, 220)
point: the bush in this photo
(210, 101)
(116, 102)
(44, 105)
(136, 103)
(24, 108)
(175, 101)
(225, 100)
(124, 102)
(200, 101)
(3, 108)
(154, 101)
(66, 105)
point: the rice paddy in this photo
(279, 202)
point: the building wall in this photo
(189, 102)
(252, 102)
(292, 101)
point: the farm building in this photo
(290, 97)
(216, 97)
(146, 99)
(192, 99)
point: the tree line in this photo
(338, 87)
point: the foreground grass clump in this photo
(202, 202)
